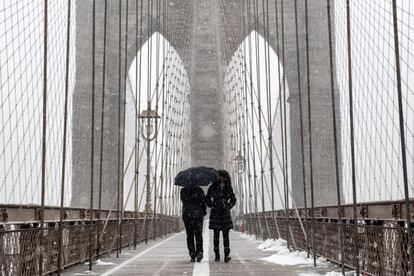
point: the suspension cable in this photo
(64, 146)
(310, 130)
(137, 105)
(122, 129)
(149, 79)
(92, 145)
(351, 120)
(102, 127)
(44, 132)
(301, 128)
(119, 203)
(259, 108)
(402, 136)
(269, 112)
(335, 136)
(258, 225)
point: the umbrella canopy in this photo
(196, 176)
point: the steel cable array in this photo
(162, 75)
(305, 83)
(368, 126)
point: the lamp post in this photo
(149, 130)
(240, 169)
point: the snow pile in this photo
(285, 257)
(251, 238)
(100, 262)
(273, 245)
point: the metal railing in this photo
(382, 234)
(20, 248)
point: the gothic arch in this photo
(115, 55)
(322, 140)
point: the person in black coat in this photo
(194, 210)
(220, 198)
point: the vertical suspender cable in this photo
(120, 173)
(162, 127)
(269, 117)
(167, 142)
(98, 240)
(351, 119)
(284, 132)
(241, 140)
(166, 137)
(335, 136)
(65, 126)
(149, 80)
(136, 141)
(253, 135)
(123, 97)
(281, 114)
(268, 105)
(280, 101)
(165, 91)
(259, 111)
(140, 96)
(44, 129)
(310, 130)
(162, 182)
(155, 223)
(257, 89)
(244, 116)
(305, 203)
(246, 89)
(161, 98)
(91, 228)
(402, 136)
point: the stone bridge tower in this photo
(206, 63)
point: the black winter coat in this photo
(220, 200)
(194, 206)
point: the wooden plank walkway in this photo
(169, 256)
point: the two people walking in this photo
(220, 198)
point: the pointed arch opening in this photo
(157, 79)
(257, 124)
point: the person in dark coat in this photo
(220, 198)
(194, 210)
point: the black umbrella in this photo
(196, 176)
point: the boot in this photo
(199, 257)
(227, 257)
(193, 257)
(217, 252)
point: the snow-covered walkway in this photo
(169, 257)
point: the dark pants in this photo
(194, 231)
(226, 241)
